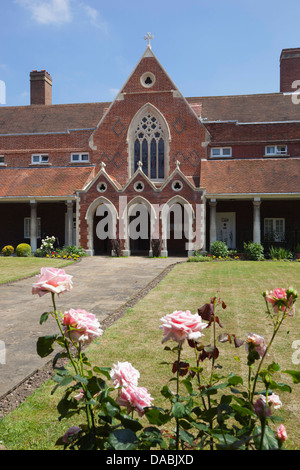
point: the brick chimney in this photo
(40, 87)
(289, 69)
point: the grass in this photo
(136, 338)
(13, 268)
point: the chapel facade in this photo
(153, 165)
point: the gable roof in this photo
(273, 107)
(255, 176)
(268, 107)
(43, 182)
(50, 119)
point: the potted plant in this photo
(297, 251)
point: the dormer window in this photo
(276, 150)
(220, 152)
(79, 157)
(39, 159)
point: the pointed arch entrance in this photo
(101, 220)
(177, 227)
(139, 219)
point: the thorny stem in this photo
(89, 413)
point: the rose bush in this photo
(207, 409)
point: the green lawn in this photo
(136, 338)
(13, 267)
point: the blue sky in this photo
(90, 47)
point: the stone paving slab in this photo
(101, 285)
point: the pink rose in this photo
(52, 280)
(274, 400)
(134, 398)
(282, 300)
(180, 325)
(81, 326)
(281, 433)
(262, 408)
(72, 432)
(124, 374)
(257, 341)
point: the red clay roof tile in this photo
(261, 176)
(43, 182)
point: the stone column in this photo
(33, 225)
(69, 240)
(213, 221)
(256, 220)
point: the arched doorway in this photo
(177, 227)
(177, 234)
(101, 219)
(101, 235)
(139, 230)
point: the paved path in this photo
(101, 285)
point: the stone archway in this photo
(101, 218)
(139, 221)
(177, 219)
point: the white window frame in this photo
(279, 236)
(80, 157)
(276, 150)
(221, 153)
(27, 227)
(2, 160)
(42, 158)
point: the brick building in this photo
(193, 169)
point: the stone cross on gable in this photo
(148, 38)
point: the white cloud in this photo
(95, 18)
(48, 11)
(59, 12)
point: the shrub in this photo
(280, 253)
(39, 253)
(8, 250)
(47, 245)
(254, 251)
(23, 250)
(218, 249)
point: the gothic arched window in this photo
(149, 147)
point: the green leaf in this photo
(157, 416)
(178, 410)
(44, 345)
(269, 439)
(123, 439)
(186, 437)
(104, 371)
(188, 385)
(130, 423)
(235, 380)
(166, 392)
(44, 317)
(295, 374)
